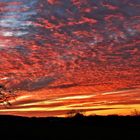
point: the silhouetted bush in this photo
(75, 113)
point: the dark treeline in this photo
(91, 127)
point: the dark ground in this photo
(92, 127)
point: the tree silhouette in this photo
(135, 112)
(75, 113)
(6, 95)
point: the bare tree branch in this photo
(6, 95)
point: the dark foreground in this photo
(93, 127)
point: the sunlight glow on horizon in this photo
(74, 102)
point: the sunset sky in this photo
(63, 55)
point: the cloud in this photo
(41, 82)
(79, 53)
(64, 86)
(117, 101)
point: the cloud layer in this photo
(65, 45)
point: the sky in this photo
(63, 55)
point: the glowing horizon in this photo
(105, 103)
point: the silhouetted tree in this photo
(75, 113)
(5, 95)
(135, 112)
